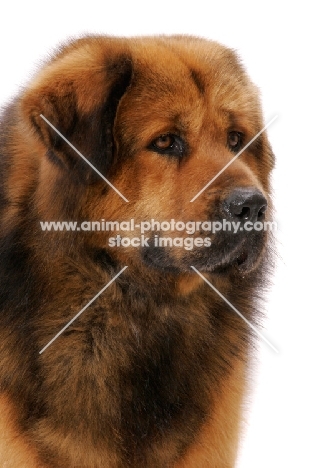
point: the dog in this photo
(121, 349)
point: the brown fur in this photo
(154, 372)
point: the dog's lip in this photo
(240, 261)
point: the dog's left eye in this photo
(235, 141)
(169, 144)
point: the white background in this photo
(274, 41)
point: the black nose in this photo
(245, 204)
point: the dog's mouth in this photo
(226, 255)
(242, 260)
(242, 263)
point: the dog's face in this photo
(159, 119)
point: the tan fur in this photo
(218, 440)
(15, 451)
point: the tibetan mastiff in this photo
(119, 348)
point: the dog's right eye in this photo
(169, 144)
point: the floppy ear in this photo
(78, 93)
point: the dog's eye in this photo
(169, 144)
(235, 141)
(164, 142)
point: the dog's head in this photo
(159, 118)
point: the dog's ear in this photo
(78, 93)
